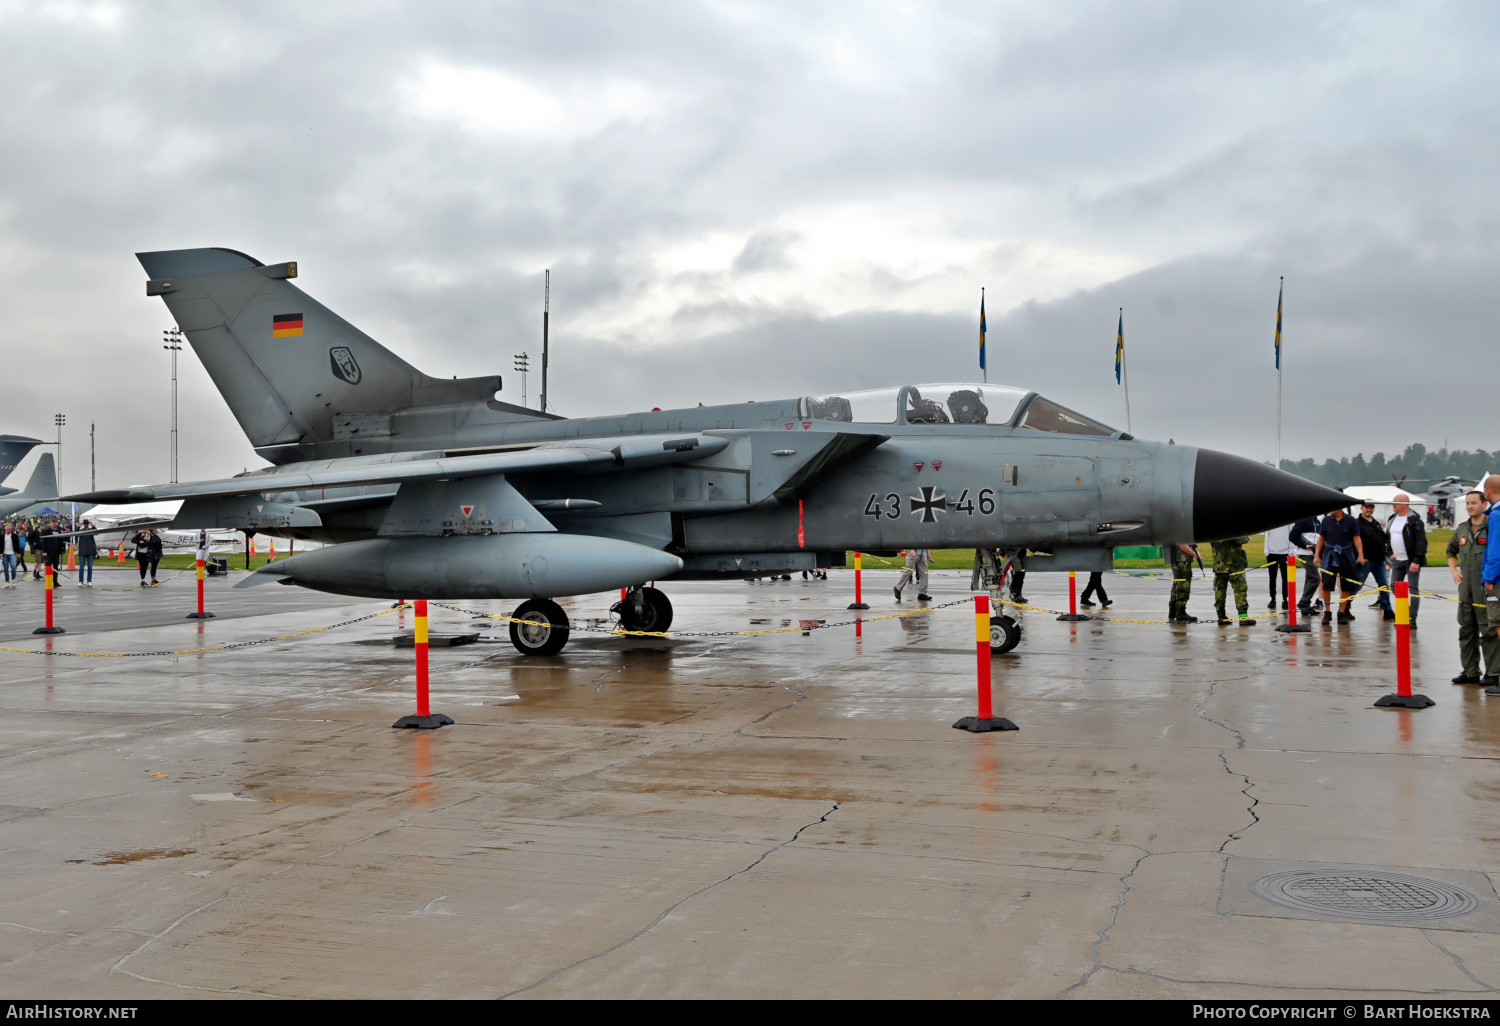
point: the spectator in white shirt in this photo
(1278, 547)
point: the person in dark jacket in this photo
(1408, 549)
(1339, 554)
(33, 542)
(1304, 538)
(147, 553)
(88, 548)
(52, 549)
(1372, 533)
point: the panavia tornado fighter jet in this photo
(433, 488)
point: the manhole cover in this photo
(1365, 895)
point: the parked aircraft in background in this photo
(116, 524)
(13, 449)
(40, 490)
(435, 489)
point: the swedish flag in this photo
(1120, 348)
(981, 329)
(1279, 291)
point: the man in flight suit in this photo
(1466, 563)
(917, 561)
(1230, 564)
(1182, 557)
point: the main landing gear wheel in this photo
(1005, 634)
(547, 631)
(653, 611)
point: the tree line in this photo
(1416, 463)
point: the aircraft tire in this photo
(533, 640)
(1005, 634)
(656, 617)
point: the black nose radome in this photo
(1234, 497)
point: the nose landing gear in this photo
(644, 609)
(991, 568)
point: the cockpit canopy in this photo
(952, 403)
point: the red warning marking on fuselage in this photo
(919, 466)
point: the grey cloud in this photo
(1348, 146)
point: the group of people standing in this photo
(48, 540)
(1343, 552)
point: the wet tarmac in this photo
(1185, 812)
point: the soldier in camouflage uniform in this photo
(1182, 557)
(1230, 564)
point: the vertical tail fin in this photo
(13, 449)
(43, 483)
(292, 371)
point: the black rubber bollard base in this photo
(200, 616)
(1070, 617)
(49, 630)
(435, 640)
(975, 725)
(432, 722)
(858, 605)
(1294, 628)
(1405, 702)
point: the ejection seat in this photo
(923, 411)
(967, 407)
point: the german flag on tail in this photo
(286, 325)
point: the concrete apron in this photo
(789, 815)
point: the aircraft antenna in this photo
(546, 309)
(1125, 373)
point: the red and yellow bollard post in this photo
(425, 718)
(859, 593)
(51, 587)
(1072, 613)
(986, 720)
(201, 614)
(1403, 698)
(1292, 626)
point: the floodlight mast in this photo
(174, 343)
(60, 419)
(523, 364)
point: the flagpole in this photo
(1279, 294)
(983, 355)
(1125, 371)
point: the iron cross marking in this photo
(930, 505)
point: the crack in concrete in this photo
(1098, 942)
(673, 907)
(1114, 912)
(801, 697)
(118, 967)
(1458, 962)
(1239, 744)
(1254, 801)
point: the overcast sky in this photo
(749, 201)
